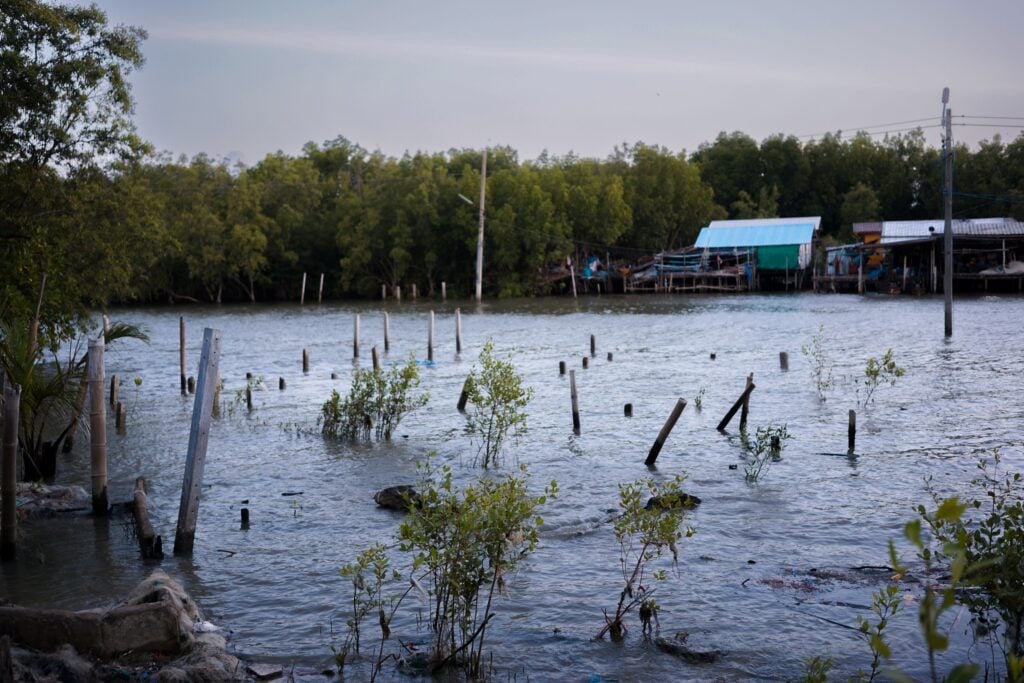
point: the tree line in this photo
(83, 200)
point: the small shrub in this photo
(499, 400)
(821, 364)
(816, 669)
(885, 603)
(644, 535)
(764, 449)
(376, 402)
(881, 372)
(698, 400)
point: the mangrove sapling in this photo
(499, 400)
(467, 542)
(885, 603)
(816, 669)
(644, 535)
(764, 449)
(821, 364)
(698, 400)
(377, 401)
(881, 372)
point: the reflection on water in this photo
(743, 583)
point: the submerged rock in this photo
(683, 500)
(403, 498)
(686, 653)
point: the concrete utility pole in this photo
(480, 235)
(947, 193)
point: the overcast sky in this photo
(247, 78)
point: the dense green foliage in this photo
(499, 403)
(376, 402)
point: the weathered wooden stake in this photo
(735, 406)
(9, 473)
(444, 292)
(248, 398)
(387, 333)
(430, 339)
(609, 356)
(383, 292)
(586, 362)
(561, 367)
(355, 335)
(280, 383)
(195, 460)
(627, 410)
(666, 429)
(376, 358)
(305, 360)
(334, 375)
(398, 293)
(302, 302)
(181, 354)
(98, 428)
(851, 431)
(593, 346)
(150, 544)
(746, 404)
(712, 356)
(120, 417)
(464, 396)
(458, 330)
(575, 402)
(115, 389)
(320, 294)
(414, 292)
(245, 518)
(191, 385)
(783, 360)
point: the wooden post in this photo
(464, 396)
(666, 429)
(181, 354)
(627, 410)
(609, 356)
(783, 360)
(561, 367)
(444, 292)
(387, 332)
(860, 274)
(150, 544)
(414, 292)
(712, 356)
(191, 385)
(572, 276)
(947, 237)
(244, 519)
(305, 360)
(248, 397)
(575, 402)
(383, 292)
(195, 460)
(9, 473)
(851, 431)
(320, 294)
(458, 330)
(98, 428)
(115, 389)
(430, 339)
(302, 302)
(746, 403)
(120, 417)
(398, 293)
(593, 346)
(280, 383)
(355, 334)
(586, 362)
(376, 358)
(903, 289)
(735, 406)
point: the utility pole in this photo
(947, 192)
(480, 235)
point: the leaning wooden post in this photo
(851, 431)
(575, 402)
(355, 336)
(98, 428)
(150, 544)
(464, 396)
(9, 473)
(735, 406)
(199, 436)
(666, 429)
(376, 358)
(302, 302)
(430, 338)
(181, 354)
(458, 330)
(387, 333)
(746, 404)
(320, 294)
(783, 360)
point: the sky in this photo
(245, 78)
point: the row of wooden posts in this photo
(397, 292)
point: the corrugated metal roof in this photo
(900, 231)
(867, 228)
(754, 235)
(762, 222)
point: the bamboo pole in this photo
(115, 389)
(98, 428)
(666, 429)
(302, 295)
(746, 403)
(320, 294)
(9, 473)
(191, 488)
(735, 406)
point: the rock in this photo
(686, 653)
(403, 498)
(683, 500)
(264, 671)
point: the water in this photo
(742, 583)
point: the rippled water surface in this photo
(742, 584)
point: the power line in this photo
(878, 125)
(997, 118)
(991, 125)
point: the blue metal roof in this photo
(755, 236)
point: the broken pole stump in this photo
(97, 428)
(666, 429)
(248, 397)
(9, 473)
(458, 330)
(609, 356)
(464, 396)
(305, 360)
(444, 292)
(398, 293)
(735, 406)
(191, 385)
(181, 353)
(593, 346)
(383, 292)
(574, 395)
(150, 544)
(561, 367)
(627, 410)
(244, 519)
(851, 431)
(376, 358)
(120, 418)
(783, 360)
(414, 292)
(115, 389)
(199, 436)
(280, 384)
(746, 404)
(586, 362)
(430, 338)
(355, 334)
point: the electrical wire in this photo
(867, 128)
(996, 118)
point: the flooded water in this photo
(742, 584)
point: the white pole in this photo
(480, 235)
